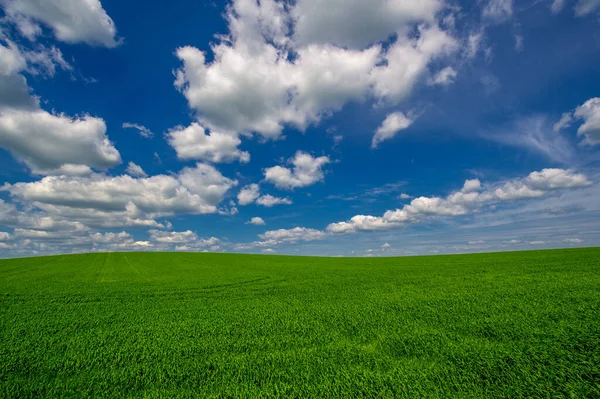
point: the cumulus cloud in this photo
(257, 221)
(71, 21)
(142, 130)
(357, 23)
(268, 201)
(291, 65)
(392, 124)
(291, 235)
(112, 238)
(469, 199)
(47, 142)
(173, 237)
(11, 60)
(251, 194)
(248, 194)
(306, 170)
(589, 112)
(135, 170)
(108, 201)
(194, 142)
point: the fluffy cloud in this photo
(111, 238)
(268, 201)
(11, 60)
(248, 194)
(291, 235)
(107, 201)
(306, 170)
(469, 199)
(47, 142)
(392, 124)
(135, 170)
(406, 62)
(173, 237)
(194, 142)
(257, 221)
(589, 112)
(251, 193)
(285, 66)
(142, 130)
(357, 23)
(72, 21)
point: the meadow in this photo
(499, 325)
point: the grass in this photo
(501, 325)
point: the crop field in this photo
(500, 325)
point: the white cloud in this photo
(392, 124)
(407, 60)
(471, 186)
(47, 142)
(4, 236)
(498, 10)
(476, 242)
(173, 237)
(536, 242)
(11, 60)
(248, 194)
(405, 196)
(470, 199)
(72, 21)
(444, 77)
(111, 238)
(586, 7)
(589, 112)
(106, 201)
(307, 170)
(268, 201)
(269, 250)
(194, 142)
(357, 23)
(573, 240)
(257, 221)
(291, 235)
(262, 78)
(142, 130)
(564, 122)
(135, 170)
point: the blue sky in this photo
(352, 128)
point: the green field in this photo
(502, 325)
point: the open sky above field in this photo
(312, 127)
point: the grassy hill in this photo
(500, 325)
